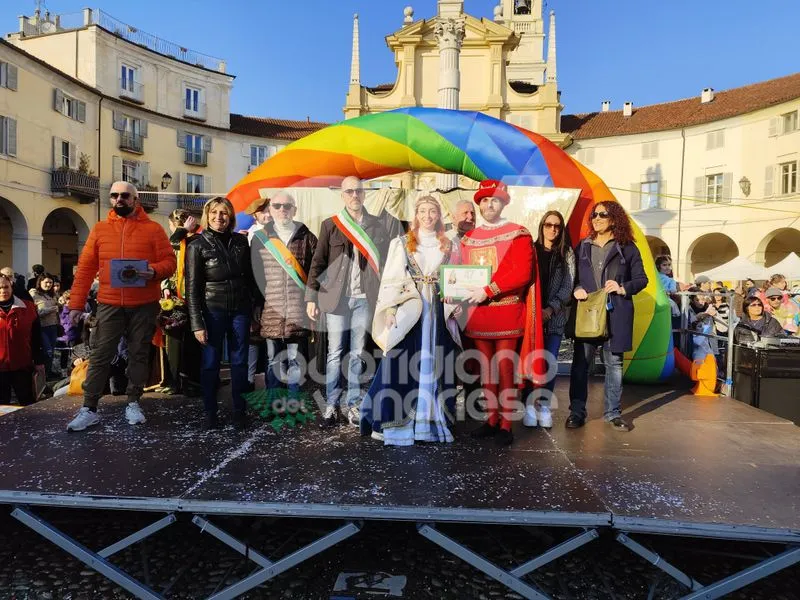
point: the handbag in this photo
(591, 316)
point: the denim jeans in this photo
(579, 381)
(356, 321)
(552, 342)
(49, 337)
(235, 327)
(253, 354)
(280, 356)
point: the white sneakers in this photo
(134, 414)
(541, 417)
(529, 420)
(86, 418)
(545, 417)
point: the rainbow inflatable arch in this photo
(479, 147)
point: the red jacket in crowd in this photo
(20, 337)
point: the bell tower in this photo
(525, 63)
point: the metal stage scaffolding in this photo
(690, 468)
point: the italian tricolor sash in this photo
(359, 238)
(284, 257)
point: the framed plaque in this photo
(125, 273)
(459, 281)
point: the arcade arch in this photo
(64, 233)
(711, 250)
(13, 237)
(658, 247)
(777, 245)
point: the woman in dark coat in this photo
(756, 323)
(555, 263)
(606, 260)
(20, 345)
(219, 290)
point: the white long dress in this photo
(428, 423)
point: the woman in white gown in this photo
(412, 397)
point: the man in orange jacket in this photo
(127, 234)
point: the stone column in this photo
(450, 35)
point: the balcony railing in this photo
(198, 114)
(73, 183)
(194, 157)
(132, 142)
(131, 90)
(193, 203)
(156, 44)
(148, 200)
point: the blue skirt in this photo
(412, 397)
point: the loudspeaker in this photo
(780, 397)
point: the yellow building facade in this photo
(707, 178)
(86, 100)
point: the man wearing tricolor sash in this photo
(343, 283)
(284, 249)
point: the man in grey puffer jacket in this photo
(284, 248)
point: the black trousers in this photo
(22, 383)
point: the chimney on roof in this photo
(606, 105)
(627, 109)
(707, 96)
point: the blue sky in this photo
(292, 58)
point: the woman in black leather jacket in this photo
(219, 290)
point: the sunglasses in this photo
(555, 226)
(279, 206)
(757, 305)
(600, 215)
(352, 192)
(123, 195)
(775, 298)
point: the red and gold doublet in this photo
(508, 249)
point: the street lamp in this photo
(166, 179)
(744, 183)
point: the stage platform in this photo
(690, 467)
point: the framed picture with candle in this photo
(459, 281)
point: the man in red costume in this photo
(498, 318)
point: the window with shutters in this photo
(64, 155)
(196, 146)
(258, 154)
(789, 121)
(715, 139)
(8, 136)
(131, 137)
(648, 194)
(586, 156)
(650, 150)
(130, 171)
(789, 177)
(8, 76)
(194, 183)
(69, 106)
(714, 188)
